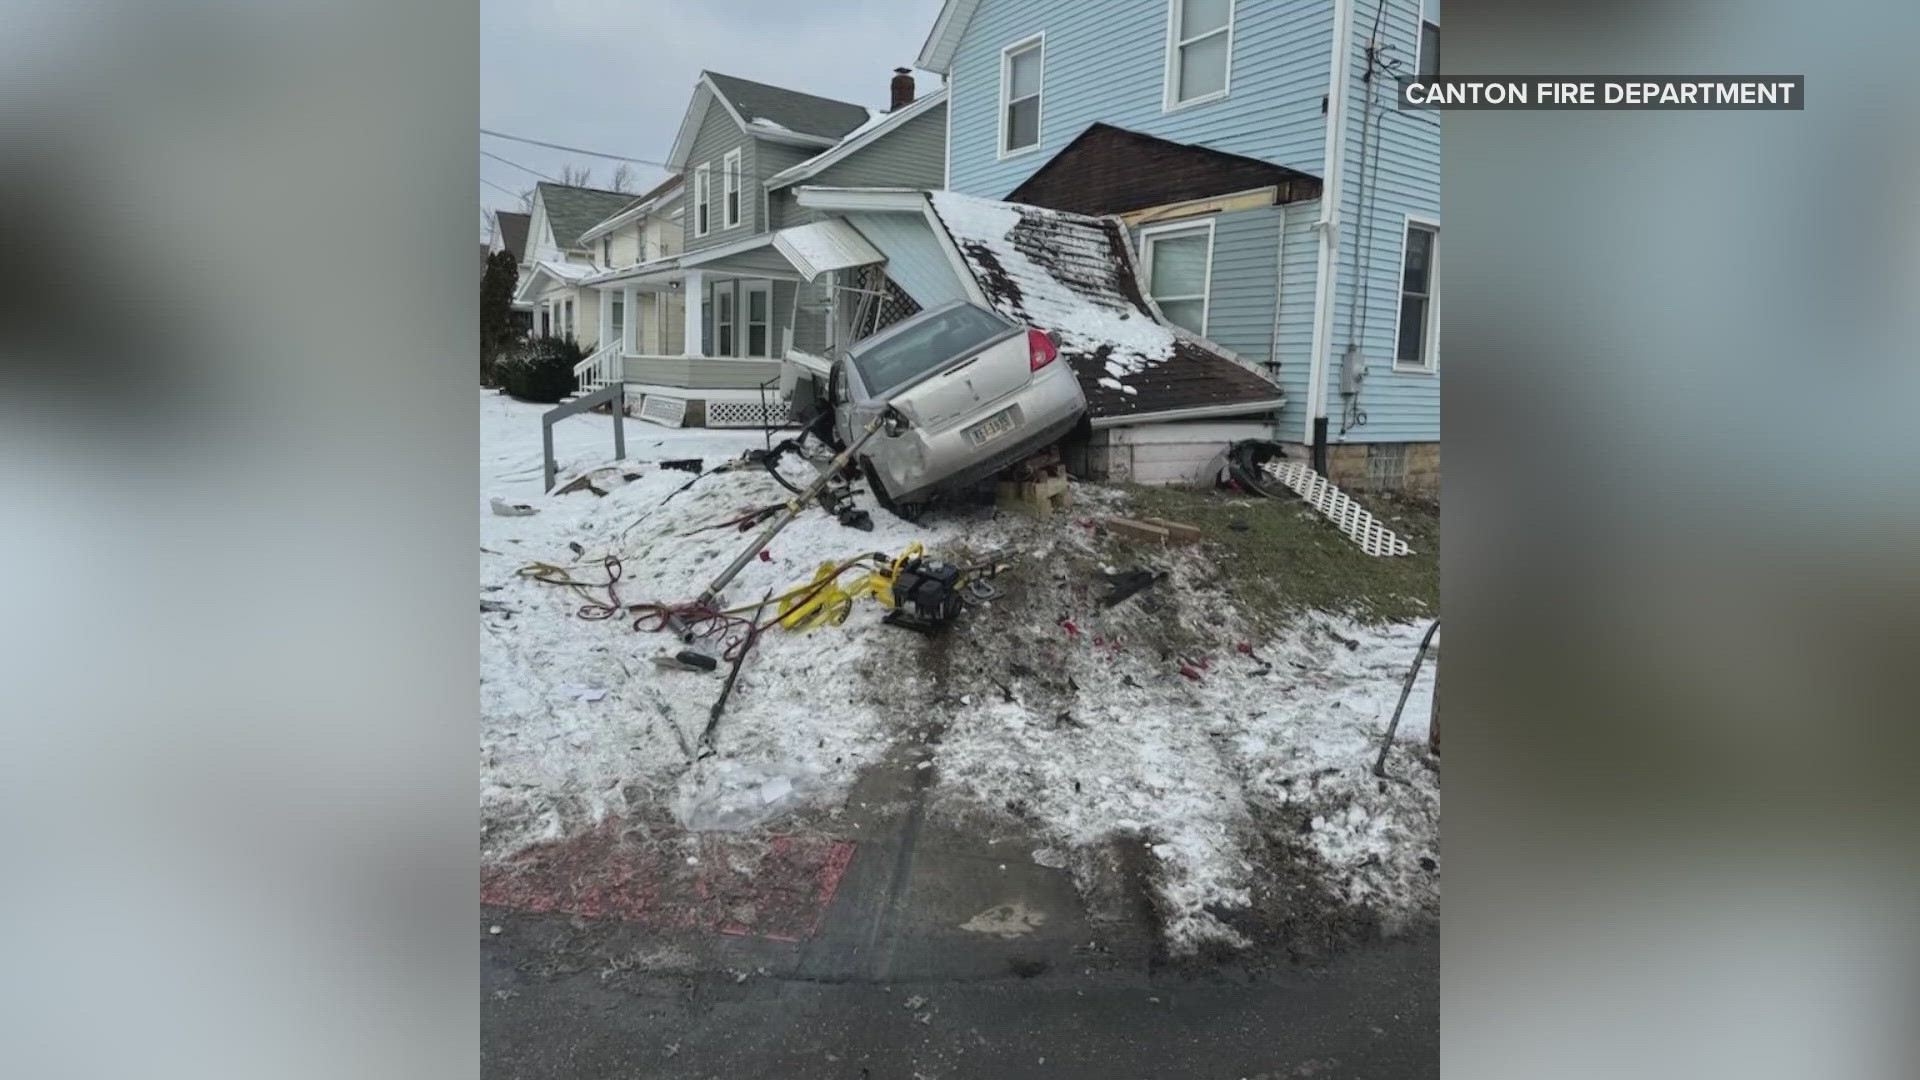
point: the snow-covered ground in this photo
(1096, 742)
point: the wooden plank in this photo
(1137, 530)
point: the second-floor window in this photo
(1179, 261)
(1428, 68)
(606, 251)
(702, 195)
(730, 189)
(1199, 50)
(1022, 66)
(1418, 344)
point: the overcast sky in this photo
(616, 75)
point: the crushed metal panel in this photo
(667, 411)
(822, 246)
(1351, 518)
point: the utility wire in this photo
(517, 165)
(573, 149)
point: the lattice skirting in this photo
(745, 413)
(1349, 516)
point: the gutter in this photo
(1198, 412)
(1332, 191)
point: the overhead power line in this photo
(517, 165)
(572, 149)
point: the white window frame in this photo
(724, 290)
(1025, 44)
(1150, 234)
(765, 288)
(1420, 22)
(732, 201)
(1170, 94)
(1430, 343)
(703, 198)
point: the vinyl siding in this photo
(912, 155)
(717, 135)
(1106, 61)
(915, 259)
(1402, 176)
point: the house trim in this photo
(1170, 87)
(703, 92)
(732, 212)
(1038, 40)
(1253, 199)
(1332, 191)
(703, 198)
(819, 163)
(1430, 337)
(937, 54)
(1149, 234)
(1201, 412)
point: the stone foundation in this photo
(1412, 468)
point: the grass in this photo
(1289, 559)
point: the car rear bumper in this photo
(919, 462)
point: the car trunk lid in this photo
(963, 386)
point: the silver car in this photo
(978, 391)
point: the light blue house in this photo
(1279, 203)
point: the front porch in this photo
(698, 337)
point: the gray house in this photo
(753, 277)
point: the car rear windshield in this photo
(928, 342)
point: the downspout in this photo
(1332, 190)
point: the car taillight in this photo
(1040, 350)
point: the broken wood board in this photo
(1338, 507)
(1154, 530)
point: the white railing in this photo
(599, 370)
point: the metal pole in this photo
(620, 420)
(546, 447)
(794, 507)
(1380, 765)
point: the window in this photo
(1427, 68)
(1418, 346)
(1179, 264)
(759, 321)
(723, 319)
(606, 251)
(730, 189)
(1022, 65)
(567, 319)
(1199, 50)
(619, 317)
(702, 193)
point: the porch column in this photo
(630, 322)
(696, 289)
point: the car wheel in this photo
(905, 511)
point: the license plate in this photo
(991, 428)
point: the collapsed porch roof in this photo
(1110, 170)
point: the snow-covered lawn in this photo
(1255, 773)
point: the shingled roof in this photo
(805, 113)
(1110, 170)
(573, 210)
(1075, 274)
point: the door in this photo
(759, 303)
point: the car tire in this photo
(908, 512)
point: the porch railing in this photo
(600, 369)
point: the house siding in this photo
(1402, 177)
(911, 155)
(718, 134)
(916, 260)
(1106, 61)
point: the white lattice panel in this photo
(670, 411)
(745, 413)
(1351, 518)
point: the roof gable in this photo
(1111, 170)
(573, 210)
(513, 232)
(944, 40)
(873, 131)
(758, 104)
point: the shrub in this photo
(541, 370)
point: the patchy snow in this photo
(1086, 319)
(1103, 742)
(553, 763)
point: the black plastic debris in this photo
(1127, 584)
(692, 465)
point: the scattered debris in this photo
(583, 482)
(687, 660)
(692, 465)
(503, 508)
(494, 929)
(913, 1003)
(1338, 507)
(1154, 530)
(1129, 583)
(1051, 858)
(495, 607)
(582, 694)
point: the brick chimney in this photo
(901, 88)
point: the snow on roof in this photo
(1075, 274)
(565, 271)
